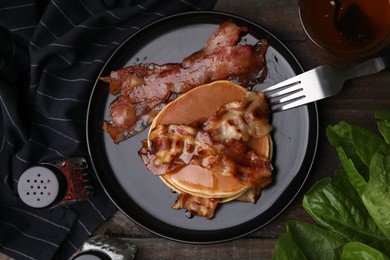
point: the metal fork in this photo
(319, 83)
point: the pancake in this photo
(197, 105)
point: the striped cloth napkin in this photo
(50, 55)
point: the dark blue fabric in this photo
(50, 55)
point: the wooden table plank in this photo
(157, 248)
(280, 17)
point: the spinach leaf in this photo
(382, 114)
(365, 142)
(340, 136)
(355, 147)
(336, 206)
(384, 129)
(384, 126)
(353, 207)
(376, 196)
(286, 248)
(359, 251)
(306, 241)
(354, 177)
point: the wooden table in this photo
(356, 104)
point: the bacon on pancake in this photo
(145, 88)
(175, 146)
(220, 144)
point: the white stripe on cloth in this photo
(59, 118)
(37, 217)
(17, 252)
(61, 99)
(17, 6)
(47, 147)
(85, 228)
(58, 132)
(11, 119)
(67, 80)
(63, 13)
(189, 4)
(29, 236)
(100, 214)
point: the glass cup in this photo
(347, 28)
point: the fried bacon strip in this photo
(176, 146)
(199, 206)
(143, 89)
(241, 120)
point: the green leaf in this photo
(340, 136)
(376, 196)
(337, 207)
(354, 177)
(306, 241)
(366, 143)
(352, 210)
(359, 251)
(286, 248)
(384, 126)
(384, 129)
(382, 114)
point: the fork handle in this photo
(369, 67)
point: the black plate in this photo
(141, 195)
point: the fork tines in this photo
(280, 95)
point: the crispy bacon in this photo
(218, 144)
(241, 120)
(199, 206)
(176, 146)
(143, 89)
